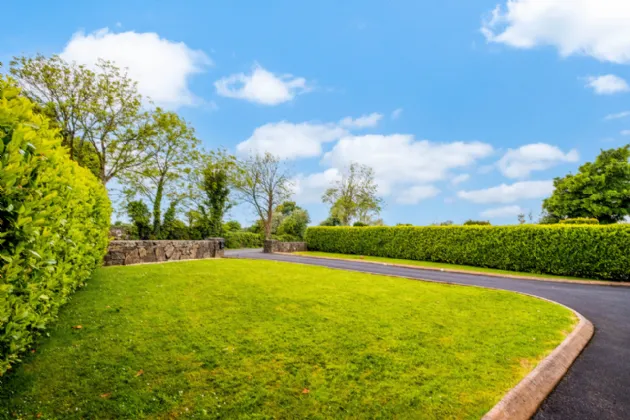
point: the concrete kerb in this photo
(472, 273)
(522, 401)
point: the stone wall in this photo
(138, 252)
(277, 246)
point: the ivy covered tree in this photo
(599, 190)
(139, 215)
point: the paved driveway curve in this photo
(597, 386)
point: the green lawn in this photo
(430, 264)
(263, 339)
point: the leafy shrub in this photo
(359, 224)
(286, 238)
(476, 223)
(54, 224)
(580, 221)
(232, 226)
(236, 240)
(578, 250)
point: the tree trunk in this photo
(157, 210)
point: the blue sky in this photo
(463, 109)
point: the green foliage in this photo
(476, 223)
(286, 238)
(599, 190)
(331, 221)
(578, 251)
(263, 182)
(580, 221)
(354, 196)
(359, 224)
(294, 224)
(54, 224)
(171, 149)
(101, 108)
(139, 214)
(232, 226)
(236, 240)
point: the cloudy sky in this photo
(465, 109)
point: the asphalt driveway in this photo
(597, 386)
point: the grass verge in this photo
(263, 339)
(429, 264)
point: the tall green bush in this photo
(589, 251)
(54, 223)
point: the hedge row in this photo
(236, 240)
(54, 223)
(588, 251)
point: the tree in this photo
(599, 190)
(263, 182)
(139, 214)
(99, 112)
(172, 228)
(521, 218)
(295, 223)
(217, 192)
(173, 150)
(353, 197)
(232, 226)
(331, 221)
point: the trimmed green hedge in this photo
(580, 221)
(54, 224)
(587, 251)
(236, 240)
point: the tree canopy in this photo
(354, 196)
(99, 112)
(599, 190)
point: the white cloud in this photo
(399, 158)
(309, 188)
(509, 193)
(607, 85)
(460, 178)
(415, 194)
(596, 28)
(363, 121)
(625, 132)
(519, 163)
(617, 115)
(507, 211)
(161, 67)
(291, 141)
(262, 86)
(396, 113)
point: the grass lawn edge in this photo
(472, 271)
(522, 401)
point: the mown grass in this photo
(263, 339)
(430, 264)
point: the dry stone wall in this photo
(277, 246)
(138, 252)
